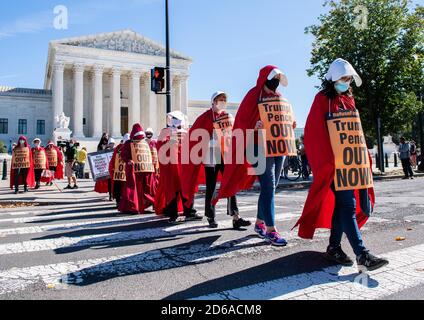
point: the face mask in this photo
(37, 145)
(342, 86)
(272, 84)
(71, 145)
(149, 136)
(22, 142)
(220, 106)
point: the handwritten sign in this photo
(52, 157)
(39, 159)
(119, 171)
(99, 164)
(350, 151)
(277, 116)
(20, 158)
(142, 157)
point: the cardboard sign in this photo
(155, 158)
(142, 157)
(277, 117)
(119, 171)
(20, 158)
(223, 127)
(39, 159)
(99, 164)
(350, 151)
(52, 157)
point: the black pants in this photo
(23, 173)
(407, 169)
(117, 188)
(211, 177)
(171, 209)
(37, 174)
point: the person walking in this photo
(41, 162)
(22, 168)
(327, 206)
(236, 176)
(217, 122)
(71, 158)
(405, 158)
(81, 159)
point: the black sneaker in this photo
(237, 224)
(337, 255)
(37, 186)
(212, 223)
(75, 187)
(25, 189)
(368, 262)
(193, 216)
(16, 191)
(68, 187)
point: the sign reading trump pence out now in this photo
(353, 170)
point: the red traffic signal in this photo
(158, 79)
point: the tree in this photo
(3, 148)
(383, 39)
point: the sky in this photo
(229, 40)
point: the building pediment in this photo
(124, 41)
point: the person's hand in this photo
(259, 125)
(294, 125)
(130, 163)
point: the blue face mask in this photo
(342, 86)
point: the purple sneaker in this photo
(260, 229)
(275, 239)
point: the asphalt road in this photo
(79, 248)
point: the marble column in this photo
(78, 101)
(176, 88)
(134, 109)
(184, 94)
(116, 102)
(97, 111)
(147, 114)
(57, 90)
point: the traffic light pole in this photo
(168, 63)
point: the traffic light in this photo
(158, 79)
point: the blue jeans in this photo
(269, 182)
(344, 221)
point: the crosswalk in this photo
(70, 245)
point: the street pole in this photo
(168, 63)
(380, 145)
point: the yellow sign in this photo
(20, 158)
(353, 170)
(52, 157)
(223, 127)
(119, 172)
(39, 159)
(277, 117)
(142, 157)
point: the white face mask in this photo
(37, 145)
(220, 106)
(22, 142)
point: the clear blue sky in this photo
(229, 40)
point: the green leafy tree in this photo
(383, 39)
(3, 148)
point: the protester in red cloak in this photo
(140, 188)
(237, 176)
(41, 167)
(169, 200)
(212, 162)
(25, 176)
(117, 186)
(57, 171)
(340, 211)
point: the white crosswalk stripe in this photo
(53, 237)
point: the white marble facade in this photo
(103, 83)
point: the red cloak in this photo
(236, 176)
(58, 174)
(319, 206)
(169, 179)
(140, 188)
(194, 174)
(30, 180)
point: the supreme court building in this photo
(103, 83)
